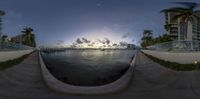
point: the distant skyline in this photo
(63, 21)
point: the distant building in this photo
(18, 39)
(179, 30)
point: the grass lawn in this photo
(175, 66)
(10, 63)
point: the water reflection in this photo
(88, 67)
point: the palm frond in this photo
(190, 5)
(2, 12)
(175, 9)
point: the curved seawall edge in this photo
(60, 86)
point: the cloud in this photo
(109, 46)
(104, 41)
(123, 43)
(125, 35)
(82, 41)
(85, 40)
(79, 41)
(60, 41)
(107, 41)
(114, 45)
(74, 45)
(91, 45)
(100, 41)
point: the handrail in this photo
(176, 46)
(4, 46)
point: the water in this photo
(88, 67)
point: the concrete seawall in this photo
(182, 58)
(9, 55)
(60, 86)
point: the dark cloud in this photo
(123, 43)
(125, 35)
(104, 41)
(74, 45)
(115, 45)
(91, 45)
(107, 41)
(100, 41)
(109, 46)
(79, 41)
(85, 40)
(60, 41)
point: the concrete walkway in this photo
(151, 81)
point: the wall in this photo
(9, 55)
(59, 86)
(182, 58)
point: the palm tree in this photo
(147, 33)
(147, 38)
(184, 14)
(29, 37)
(4, 37)
(27, 31)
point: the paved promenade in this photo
(150, 81)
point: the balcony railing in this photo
(6, 46)
(177, 46)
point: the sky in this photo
(64, 21)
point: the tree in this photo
(4, 37)
(147, 38)
(162, 39)
(184, 14)
(29, 37)
(151, 41)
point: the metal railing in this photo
(176, 46)
(5, 46)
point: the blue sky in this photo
(67, 20)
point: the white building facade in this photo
(181, 30)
